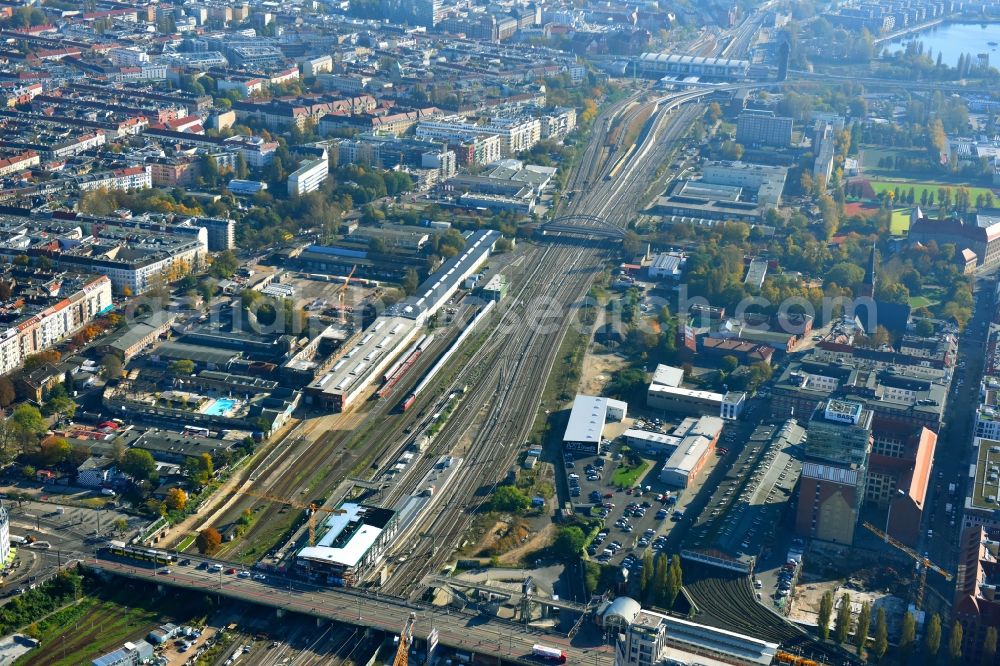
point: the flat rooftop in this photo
(383, 337)
(349, 535)
(587, 418)
(985, 493)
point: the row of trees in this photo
(661, 579)
(860, 633)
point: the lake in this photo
(954, 39)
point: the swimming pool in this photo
(220, 407)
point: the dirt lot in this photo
(597, 369)
(536, 541)
(307, 289)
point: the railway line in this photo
(727, 599)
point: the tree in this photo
(907, 636)
(989, 647)
(182, 367)
(729, 363)
(881, 635)
(225, 264)
(112, 367)
(242, 170)
(842, 626)
(661, 579)
(410, 281)
(199, 469)
(176, 499)
(7, 393)
(925, 328)
(139, 464)
(932, 638)
(861, 630)
(568, 543)
(646, 575)
(675, 581)
(955, 644)
(509, 500)
(120, 525)
(209, 540)
(54, 450)
(28, 423)
(731, 150)
(825, 613)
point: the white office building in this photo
(308, 177)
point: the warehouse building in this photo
(353, 543)
(389, 334)
(698, 440)
(585, 429)
(362, 363)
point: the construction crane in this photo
(923, 564)
(342, 291)
(405, 638)
(312, 507)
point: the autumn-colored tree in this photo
(176, 499)
(209, 540)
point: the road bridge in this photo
(461, 630)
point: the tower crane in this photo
(312, 507)
(923, 563)
(342, 291)
(405, 638)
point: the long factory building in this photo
(388, 335)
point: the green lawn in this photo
(919, 187)
(626, 475)
(921, 302)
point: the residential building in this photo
(44, 308)
(130, 178)
(763, 128)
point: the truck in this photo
(549, 653)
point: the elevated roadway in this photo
(461, 630)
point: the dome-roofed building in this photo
(619, 613)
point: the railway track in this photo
(727, 600)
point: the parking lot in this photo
(740, 515)
(633, 520)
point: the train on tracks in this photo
(141, 553)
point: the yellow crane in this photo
(922, 562)
(405, 638)
(342, 291)
(312, 507)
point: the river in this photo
(954, 39)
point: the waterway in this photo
(954, 39)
